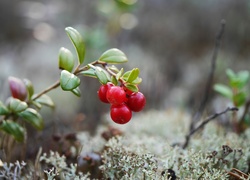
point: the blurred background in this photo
(170, 41)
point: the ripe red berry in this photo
(136, 102)
(120, 114)
(103, 91)
(116, 95)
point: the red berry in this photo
(116, 95)
(103, 91)
(120, 114)
(136, 102)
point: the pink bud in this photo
(17, 88)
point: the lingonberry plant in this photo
(237, 93)
(24, 104)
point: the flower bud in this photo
(17, 88)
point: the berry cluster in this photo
(123, 101)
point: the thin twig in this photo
(57, 83)
(210, 118)
(198, 114)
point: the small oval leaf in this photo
(113, 56)
(89, 72)
(13, 129)
(119, 74)
(77, 92)
(114, 80)
(16, 105)
(132, 87)
(77, 41)
(230, 74)
(45, 100)
(223, 90)
(133, 75)
(3, 109)
(68, 81)
(66, 59)
(29, 87)
(33, 117)
(101, 75)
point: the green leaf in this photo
(77, 92)
(114, 80)
(90, 72)
(13, 129)
(244, 78)
(114, 69)
(3, 109)
(68, 81)
(16, 105)
(113, 56)
(66, 59)
(29, 87)
(135, 81)
(36, 104)
(223, 90)
(45, 100)
(132, 87)
(133, 75)
(230, 74)
(126, 75)
(119, 74)
(239, 99)
(77, 41)
(101, 75)
(33, 117)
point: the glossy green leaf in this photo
(68, 81)
(133, 75)
(101, 75)
(119, 74)
(33, 117)
(113, 56)
(78, 43)
(114, 80)
(29, 87)
(239, 99)
(77, 92)
(135, 81)
(45, 100)
(13, 129)
(126, 75)
(15, 105)
(36, 104)
(132, 87)
(114, 69)
(223, 90)
(3, 109)
(90, 72)
(66, 59)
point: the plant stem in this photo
(77, 70)
(53, 86)
(234, 109)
